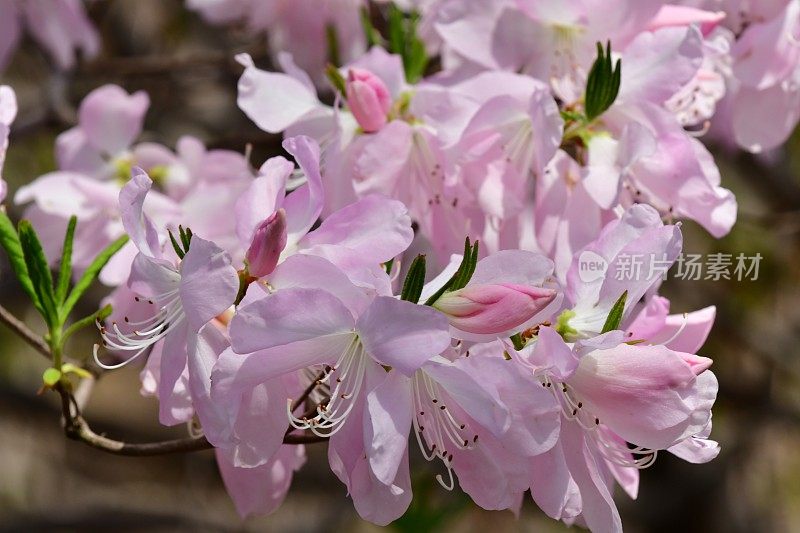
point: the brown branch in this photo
(76, 427)
(18, 327)
(311, 386)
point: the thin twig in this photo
(18, 327)
(76, 427)
(311, 386)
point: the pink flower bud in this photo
(493, 309)
(368, 99)
(268, 242)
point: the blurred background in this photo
(186, 66)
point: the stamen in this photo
(169, 315)
(330, 416)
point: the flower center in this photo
(344, 381)
(146, 332)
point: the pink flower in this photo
(61, 27)
(109, 120)
(358, 338)
(261, 489)
(269, 240)
(184, 298)
(368, 99)
(357, 237)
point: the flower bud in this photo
(269, 240)
(368, 99)
(493, 309)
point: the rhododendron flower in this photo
(184, 297)
(60, 26)
(357, 238)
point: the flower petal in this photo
(401, 334)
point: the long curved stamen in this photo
(349, 373)
(435, 427)
(677, 333)
(618, 453)
(170, 314)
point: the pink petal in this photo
(272, 100)
(387, 420)
(401, 334)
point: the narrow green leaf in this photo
(602, 84)
(336, 79)
(387, 266)
(615, 315)
(175, 246)
(38, 270)
(184, 238)
(69, 368)
(65, 268)
(461, 276)
(332, 40)
(90, 274)
(516, 340)
(9, 240)
(98, 316)
(415, 280)
(372, 35)
(396, 29)
(467, 267)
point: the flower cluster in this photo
(333, 297)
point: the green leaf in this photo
(516, 340)
(69, 368)
(403, 41)
(467, 268)
(336, 79)
(51, 376)
(186, 238)
(175, 246)
(39, 271)
(387, 266)
(372, 35)
(602, 84)
(10, 242)
(416, 58)
(98, 316)
(90, 274)
(461, 276)
(333, 44)
(65, 268)
(615, 315)
(415, 280)
(395, 26)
